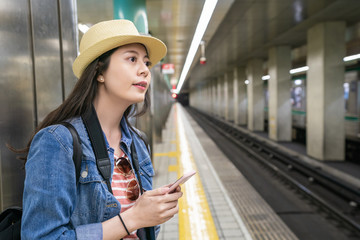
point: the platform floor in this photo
(218, 203)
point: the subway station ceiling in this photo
(238, 31)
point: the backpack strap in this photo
(149, 231)
(96, 136)
(77, 151)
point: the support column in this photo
(134, 11)
(240, 75)
(226, 97)
(279, 91)
(236, 96)
(202, 98)
(214, 96)
(209, 96)
(219, 98)
(325, 134)
(191, 96)
(255, 95)
(197, 96)
(231, 104)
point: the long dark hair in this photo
(81, 98)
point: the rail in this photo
(337, 198)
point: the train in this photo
(351, 106)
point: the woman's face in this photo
(128, 76)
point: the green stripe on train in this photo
(297, 112)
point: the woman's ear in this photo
(101, 78)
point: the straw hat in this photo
(107, 35)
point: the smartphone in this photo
(181, 180)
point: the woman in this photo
(113, 71)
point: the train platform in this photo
(218, 203)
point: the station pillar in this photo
(231, 103)
(255, 95)
(214, 96)
(236, 96)
(226, 97)
(325, 134)
(240, 112)
(279, 65)
(209, 97)
(219, 98)
(135, 11)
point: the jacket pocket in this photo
(94, 201)
(147, 173)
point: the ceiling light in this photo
(266, 77)
(300, 69)
(305, 68)
(352, 57)
(208, 9)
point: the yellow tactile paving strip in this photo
(237, 210)
(195, 219)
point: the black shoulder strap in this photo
(77, 151)
(149, 231)
(96, 136)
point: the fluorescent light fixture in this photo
(208, 9)
(83, 28)
(305, 68)
(300, 69)
(266, 77)
(298, 82)
(246, 82)
(352, 57)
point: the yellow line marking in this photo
(195, 220)
(167, 154)
(173, 168)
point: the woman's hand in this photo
(154, 207)
(178, 189)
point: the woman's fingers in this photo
(156, 192)
(178, 189)
(155, 206)
(172, 196)
(160, 192)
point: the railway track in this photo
(337, 199)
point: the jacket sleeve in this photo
(49, 195)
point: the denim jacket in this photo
(54, 207)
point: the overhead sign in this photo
(168, 68)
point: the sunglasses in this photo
(125, 169)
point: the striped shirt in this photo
(119, 185)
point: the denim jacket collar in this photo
(125, 134)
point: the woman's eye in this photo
(148, 63)
(133, 59)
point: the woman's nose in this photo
(144, 70)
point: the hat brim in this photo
(155, 48)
